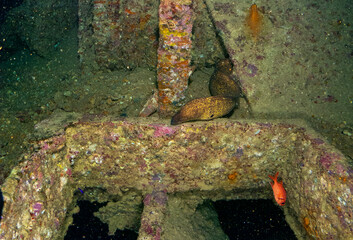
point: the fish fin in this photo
(274, 178)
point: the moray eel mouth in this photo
(225, 95)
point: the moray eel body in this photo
(206, 108)
(221, 82)
(225, 96)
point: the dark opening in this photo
(7, 5)
(86, 226)
(1, 204)
(253, 219)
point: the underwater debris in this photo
(150, 106)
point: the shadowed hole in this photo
(253, 219)
(86, 226)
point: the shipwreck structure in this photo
(157, 160)
(152, 161)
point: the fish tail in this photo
(274, 178)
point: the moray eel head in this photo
(225, 66)
(222, 83)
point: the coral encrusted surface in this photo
(221, 159)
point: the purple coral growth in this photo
(238, 153)
(69, 172)
(327, 159)
(156, 177)
(37, 207)
(248, 68)
(330, 98)
(318, 141)
(161, 130)
(158, 233)
(147, 199)
(252, 70)
(224, 8)
(149, 229)
(160, 197)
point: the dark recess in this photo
(1, 204)
(6, 5)
(86, 226)
(253, 219)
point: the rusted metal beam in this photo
(222, 156)
(174, 53)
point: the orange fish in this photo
(278, 190)
(128, 11)
(254, 21)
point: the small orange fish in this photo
(128, 11)
(278, 190)
(254, 21)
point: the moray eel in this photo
(221, 82)
(225, 95)
(206, 108)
